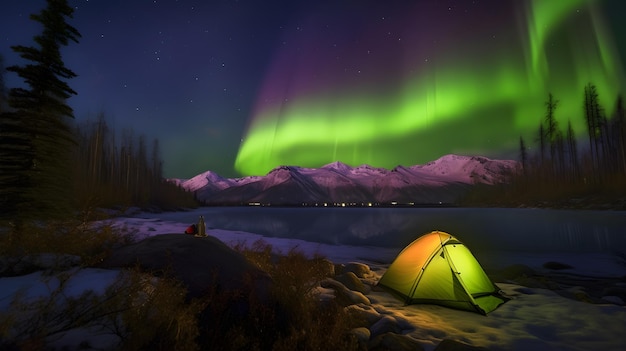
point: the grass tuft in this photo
(149, 312)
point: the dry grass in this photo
(155, 314)
(142, 311)
(302, 322)
(147, 312)
(71, 237)
(544, 191)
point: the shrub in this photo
(149, 312)
(91, 242)
(300, 321)
(143, 311)
(155, 314)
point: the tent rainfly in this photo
(436, 268)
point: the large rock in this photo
(515, 271)
(344, 295)
(361, 334)
(394, 342)
(453, 345)
(352, 282)
(386, 324)
(365, 313)
(359, 269)
(201, 264)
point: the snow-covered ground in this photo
(534, 319)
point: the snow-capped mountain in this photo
(441, 181)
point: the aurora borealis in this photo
(426, 79)
(240, 87)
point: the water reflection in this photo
(480, 229)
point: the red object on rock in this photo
(192, 229)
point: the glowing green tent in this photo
(437, 268)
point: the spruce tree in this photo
(572, 152)
(39, 122)
(552, 126)
(3, 97)
(594, 119)
(523, 154)
(619, 128)
(15, 157)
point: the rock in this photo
(616, 300)
(516, 271)
(327, 267)
(386, 324)
(201, 264)
(618, 291)
(324, 295)
(556, 265)
(352, 282)
(362, 334)
(452, 345)
(364, 313)
(344, 295)
(359, 269)
(394, 342)
(577, 293)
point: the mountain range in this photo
(442, 181)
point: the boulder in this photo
(362, 334)
(553, 265)
(386, 324)
(394, 342)
(202, 264)
(616, 300)
(618, 291)
(361, 270)
(364, 313)
(452, 345)
(326, 267)
(352, 282)
(344, 295)
(516, 271)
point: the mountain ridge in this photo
(442, 181)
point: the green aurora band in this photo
(463, 101)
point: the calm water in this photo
(481, 229)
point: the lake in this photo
(530, 230)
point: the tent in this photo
(437, 268)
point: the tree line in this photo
(49, 166)
(113, 172)
(566, 170)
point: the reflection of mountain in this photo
(440, 181)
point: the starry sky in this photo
(240, 87)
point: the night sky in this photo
(240, 87)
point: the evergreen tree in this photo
(619, 130)
(39, 120)
(523, 153)
(16, 156)
(552, 126)
(3, 97)
(594, 116)
(541, 139)
(572, 151)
